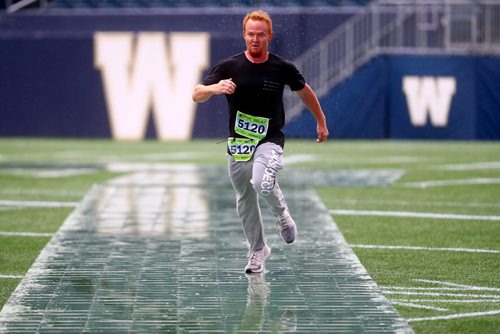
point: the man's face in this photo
(257, 38)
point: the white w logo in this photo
(429, 95)
(158, 74)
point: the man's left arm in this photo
(310, 100)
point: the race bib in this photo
(251, 126)
(241, 149)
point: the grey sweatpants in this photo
(251, 179)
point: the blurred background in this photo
(125, 69)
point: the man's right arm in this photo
(202, 93)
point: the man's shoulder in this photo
(231, 59)
(280, 59)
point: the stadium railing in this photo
(398, 27)
(13, 5)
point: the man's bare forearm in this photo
(202, 93)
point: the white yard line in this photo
(445, 183)
(11, 276)
(457, 301)
(50, 172)
(38, 204)
(25, 234)
(386, 160)
(409, 288)
(413, 305)
(411, 214)
(456, 316)
(439, 294)
(472, 166)
(41, 192)
(457, 285)
(414, 203)
(454, 298)
(299, 158)
(419, 248)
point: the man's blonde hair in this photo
(258, 15)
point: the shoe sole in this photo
(289, 242)
(250, 271)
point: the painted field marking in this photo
(45, 173)
(460, 301)
(39, 204)
(11, 276)
(41, 192)
(472, 166)
(454, 298)
(420, 248)
(299, 158)
(413, 203)
(464, 286)
(445, 183)
(432, 291)
(456, 316)
(385, 160)
(409, 288)
(25, 234)
(161, 156)
(411, 214)
(414, 305)
(439, 294)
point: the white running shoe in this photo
(288, 229)
(257, 259)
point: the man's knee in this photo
(264, 173)
(264, 183)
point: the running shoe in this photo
(257, 259)
(288, 230)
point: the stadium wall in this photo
(414, 97)
(130, 77)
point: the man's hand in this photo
(323, 133)
(202, 93)
(310, 100)
(226, 86)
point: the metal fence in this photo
(398, 26)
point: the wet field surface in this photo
(164, 252)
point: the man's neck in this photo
(261, 59)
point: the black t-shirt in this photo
(259, 90)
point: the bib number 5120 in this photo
(249, 126)
(252, 127)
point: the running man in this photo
(253, 83)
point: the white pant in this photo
(251, 179)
